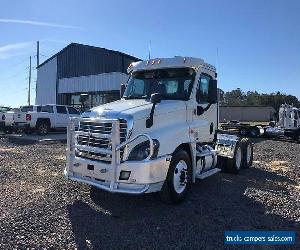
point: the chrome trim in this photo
(115, 152)
(115, 190)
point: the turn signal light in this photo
(124, 175)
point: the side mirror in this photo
(122, 90)
(213, 92)
(155, 98)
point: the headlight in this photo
(142, 151)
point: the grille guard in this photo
(116, 146)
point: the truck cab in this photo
(160, 136)
(289, 121)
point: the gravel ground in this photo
(40, 209)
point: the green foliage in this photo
(252, 98)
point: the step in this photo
(208, 173)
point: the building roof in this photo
(88, 47)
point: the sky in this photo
(255, 44)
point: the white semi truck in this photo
(160, 137)
(288, 124)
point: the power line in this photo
(13, 76)
(17, 63)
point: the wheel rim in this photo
(249, 153)
(43, 129)
(180, 177)
(238, 158)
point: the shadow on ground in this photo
(214, 205)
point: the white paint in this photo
(46, 83)
(91, 83)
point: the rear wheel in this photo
(233, 165)
(179, 178)
(42, 128)
(247, 153)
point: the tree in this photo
(253, 98)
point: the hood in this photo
(135, 108)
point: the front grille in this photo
(89, 140)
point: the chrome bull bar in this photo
(116, 146)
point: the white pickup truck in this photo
(3, 111)
(44, 118)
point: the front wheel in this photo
(179, 178)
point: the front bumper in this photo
(145, 176)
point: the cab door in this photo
(62, 117)
(205, 113)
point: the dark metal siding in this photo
(81, 60)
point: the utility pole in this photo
(37, 53)
(149, 50)
(29, 81)
(37, 61)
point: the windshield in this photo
(172, 84)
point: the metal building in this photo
(83, 76)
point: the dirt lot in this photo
(40, 209)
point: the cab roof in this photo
(174, 62)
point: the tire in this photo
(243, 132)
(179, 178)
(247, 153)
(42, 128)
(254, 132)
(234, 165)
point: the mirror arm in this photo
(207, 107)
(149, 121)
